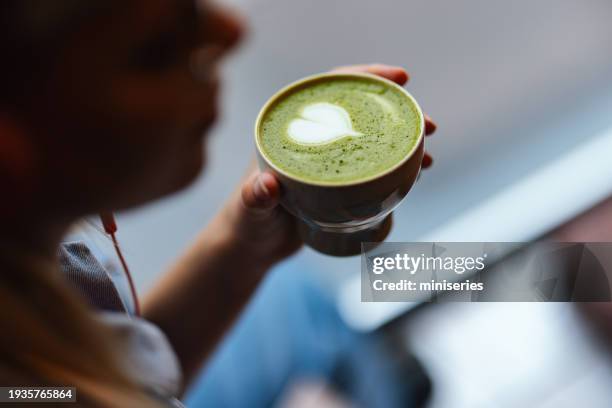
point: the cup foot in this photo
(342, 243)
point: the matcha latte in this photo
(339, 130)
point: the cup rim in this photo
(316, 77)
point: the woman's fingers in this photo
(260, 192)
(427, 161)
(430, 126)
(392, 73)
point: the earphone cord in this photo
(110, 227)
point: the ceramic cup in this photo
(336, 218)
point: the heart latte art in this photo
(339, 130)
(321, 123)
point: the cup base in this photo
(343, 243)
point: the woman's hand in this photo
(266, 232)
(202, 294)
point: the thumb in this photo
(260, 193)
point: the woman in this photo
(103, 106)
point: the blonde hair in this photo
(51, 338)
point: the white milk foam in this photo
(321, 123)
(324, 122)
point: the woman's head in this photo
(104, 103)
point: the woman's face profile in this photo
(131, 94)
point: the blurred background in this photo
(518, 89)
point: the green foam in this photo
(388, 135)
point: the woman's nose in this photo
(223, 27)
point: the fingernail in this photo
(260, 190)
(430, 125)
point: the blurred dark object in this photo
(413, 386)
(593, 225)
